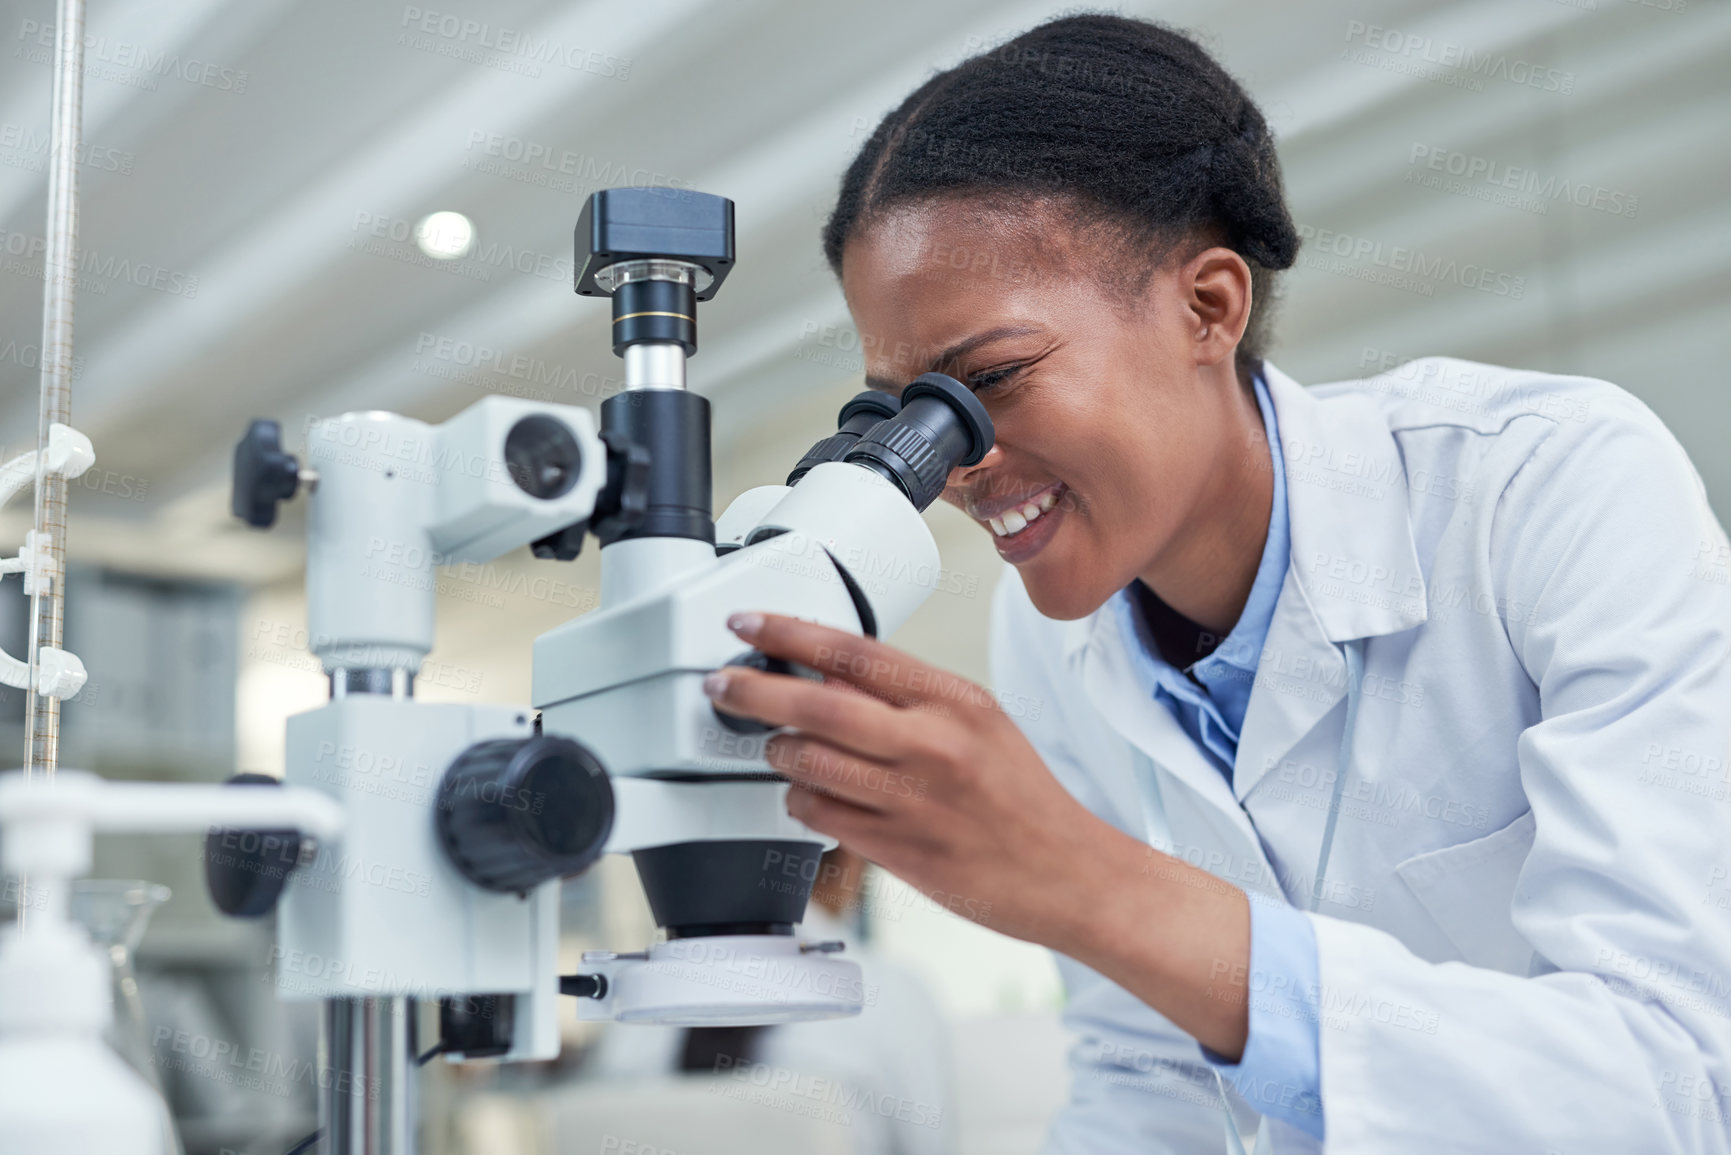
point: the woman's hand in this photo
(919, 771)
(922, 773)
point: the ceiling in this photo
(255, 163)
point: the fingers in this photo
(843, 821)
(845, 717)
(871, 665)
(819, 766)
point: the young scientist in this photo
(1370, 756)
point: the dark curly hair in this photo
(1131, 125)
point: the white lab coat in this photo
(1524, 942)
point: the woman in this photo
(1371, 758)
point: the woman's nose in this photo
(961, 476)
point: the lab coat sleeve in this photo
(1609, 574)
(1139, 1085)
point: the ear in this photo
(1215, 288)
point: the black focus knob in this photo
(623, 503)
(263, 474)
(758, 660)
(620, 507)
(514, 813)
(858, 416)
(246, 870)
(941, 426)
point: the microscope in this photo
(459, 820)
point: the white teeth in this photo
(1014, 521)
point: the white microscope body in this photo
(726, 871)
(459, 820)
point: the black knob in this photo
(542, 456)
(477, 1026)
(583, 986)
(758, 660)
(246, 870)
(516, 812)
(620, 507)
(623, 503)
(941, 426)
(858, 416)
(263, 474)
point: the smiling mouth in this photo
(1012, 521)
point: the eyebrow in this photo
(955, 352)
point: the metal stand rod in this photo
(366, 1077)
(59, 272)
(654, 365)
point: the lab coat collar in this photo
(1353, 573)
(1354, 569)
(1346, 496)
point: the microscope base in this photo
(724, 981)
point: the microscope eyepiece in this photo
(861, 414)
(941, 426)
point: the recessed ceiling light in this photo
(445, 236)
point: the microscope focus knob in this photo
(263, 474)
(247, 870)
(758, 660)
(514, 813)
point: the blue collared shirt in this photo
(1280, 1072)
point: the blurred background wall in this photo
(1552, 170)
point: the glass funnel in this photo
(114, 912)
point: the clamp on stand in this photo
(59, 673)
